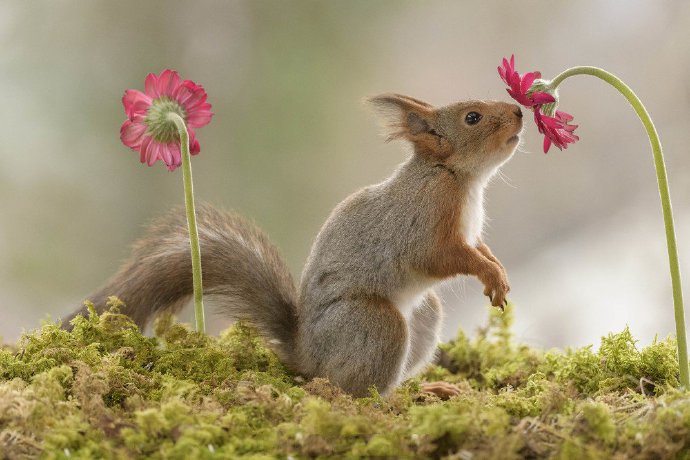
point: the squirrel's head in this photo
(473, 137)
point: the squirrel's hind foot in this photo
(443, 390)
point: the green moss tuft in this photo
(104, 390)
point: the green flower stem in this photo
(191, 220)
(665, 201)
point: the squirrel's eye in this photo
(472, 118)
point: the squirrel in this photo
(365, 313)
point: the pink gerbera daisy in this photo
(519, 85)
(148, 129)
(556, 129)
(532, 92)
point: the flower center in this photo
(160, 127)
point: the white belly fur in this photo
(410, 297)
(472, 214)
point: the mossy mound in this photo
(106, 391)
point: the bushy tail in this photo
(243, 275)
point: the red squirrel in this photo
(364, 313)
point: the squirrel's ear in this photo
(408, 118)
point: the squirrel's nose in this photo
(518, 112)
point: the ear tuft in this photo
(402, 116)
(408, 118)
(416, 124)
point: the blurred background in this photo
(579, 231)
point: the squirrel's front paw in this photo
(496, 288)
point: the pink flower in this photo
(525, 91)
(148, 129)
(519, 85)
(556, 129)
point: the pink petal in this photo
(168, 82)
(570, 137)
(514, 81)
(537, 118)
(527, 81)
(186, 88)
(145, 145)
(520, 98)
(547, 144)
(541, 121)
(174, 149)
(513, 94)
(170, 154)
(135, 102)
(502, 73)
(550, 122)
(182, 95)
(131, 134)
(190, 100)
(540, 98)
(203, 107)
(199, 118)
(563, 116)
(153, 153)
(194, 147)
(190, 85)
(166, 153)
(151, 85)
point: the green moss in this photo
(106, 391)
(619, 365)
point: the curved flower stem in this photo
(665, 201)
(191, 221)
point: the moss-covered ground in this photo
(106, 391)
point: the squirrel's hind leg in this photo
(425, 333)
(356, 343)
